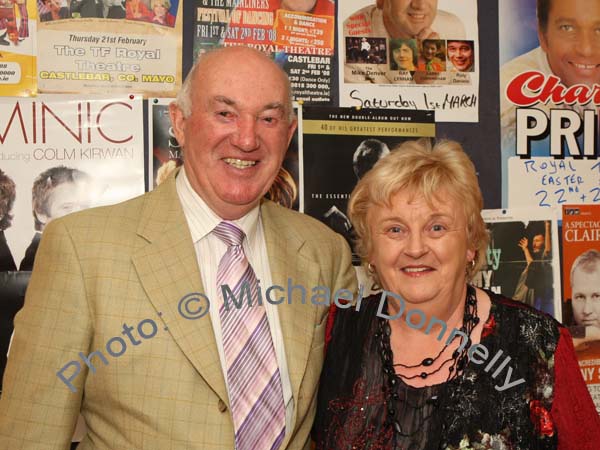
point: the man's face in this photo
(403, 56)
(238, 132)
(460, 54)
(586, 297)
(537, 244)
(407, 18)
(66, 198)
(572, 41)
(429, 51)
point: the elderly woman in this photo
(434, 363)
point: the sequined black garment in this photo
(352, 398)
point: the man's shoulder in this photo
(120, 219)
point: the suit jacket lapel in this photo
(168, 271)
(288, 262)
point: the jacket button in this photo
(222, 406)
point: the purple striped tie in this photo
(255, 392)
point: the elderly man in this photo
(585, 294)
(117, 323)
(397, 19)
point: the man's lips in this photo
(417, 16)
(240, 163)
(589, 322)
(584, 66)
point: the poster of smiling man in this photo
(430, 48)
(549, 98)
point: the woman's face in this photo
(419, 251)
(159, 10)
(403, 56)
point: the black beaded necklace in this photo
(393, 380)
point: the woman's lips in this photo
(415, 271)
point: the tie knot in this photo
(229, 233)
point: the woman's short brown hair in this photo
(421, 169)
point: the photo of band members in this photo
(413, 60)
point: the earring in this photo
(370, 268)
(471, 267)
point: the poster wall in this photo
(18, 20)
(581, 286)
(165, 153)
(110, 47)
(419, 58)
(63, 155)
(548, 109)
(299, 35)
(522, 259)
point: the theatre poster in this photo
(522, 259)
(18, 48)
(377, 69)
(82, 153)
(581, 297)
(122, 48)
(298, 35)
(549, 124)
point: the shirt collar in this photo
(202, 220)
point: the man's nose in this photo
(587, 306)
(587, 43)
(245, 136)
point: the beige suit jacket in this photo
(102, 268)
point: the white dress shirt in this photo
(209, 251)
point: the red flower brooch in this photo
(540, 417)
(488, 327)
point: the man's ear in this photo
(178, 123)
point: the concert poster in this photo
(18, 53)
(381, 67)
(549, 116)
(522, 258)
(109, 47)
(581, 288)
(298, 35)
